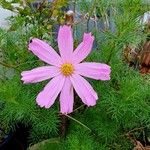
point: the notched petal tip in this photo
(23, 73)
(91, 105)
(64, 29)
(30, 41)
(46, 106)
(108, 68)
(105, 79)
(65, 112)
(106, 65)
(88, 36)
(39, 101)
(33, 40)
(40, 105)
(23, 80)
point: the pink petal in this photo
(39, 74)
(65, 42)
(84, 48)
(66, 97)
(46, 98)
(84, 90)
(45, 52)
(93, 70)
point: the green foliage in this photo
(18, 106)
(80, 140)
(124, 101)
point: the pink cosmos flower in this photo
(66, 71)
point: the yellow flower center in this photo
(67, 69)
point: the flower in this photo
(66, 71)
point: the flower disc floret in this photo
(67, 69)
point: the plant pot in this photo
(16, 140)
(5, 139)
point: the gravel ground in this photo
(4, 13)
(4, 23)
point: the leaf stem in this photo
(78, 122)
(28, 62)
(78, 107)
(9, 66)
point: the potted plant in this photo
(5, 138)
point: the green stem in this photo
(27, 63)
(79, 107)
(90, 13)
(79, 122)
(111, 54)
(8, 66)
